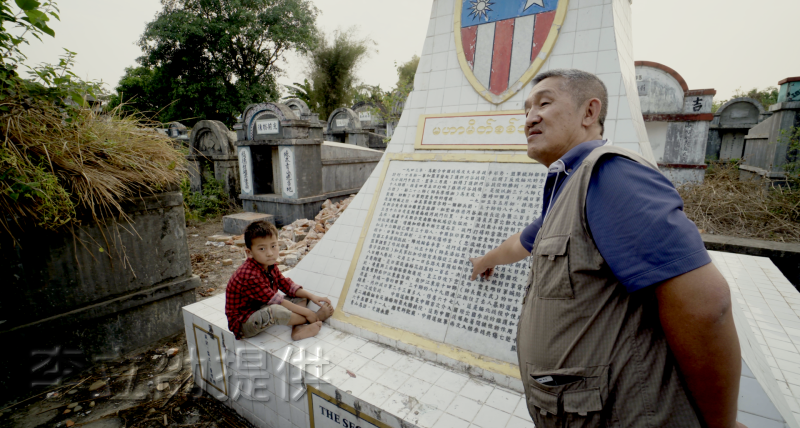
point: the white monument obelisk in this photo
(459, 88)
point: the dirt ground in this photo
(207, 260)
(150, 388)
(147, 388)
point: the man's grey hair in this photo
(582, 86)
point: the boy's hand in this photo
(320, 300)
(311, 316)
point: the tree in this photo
(208, 59)
(406, 72)
(389, 105)
(332, 66)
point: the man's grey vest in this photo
(598, 352)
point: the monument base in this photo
(285, 210)
(373, 380)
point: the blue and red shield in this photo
(501, 44)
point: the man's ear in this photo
(592, 112)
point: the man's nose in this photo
(532, 118)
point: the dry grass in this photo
(55, 169)
(723, 205)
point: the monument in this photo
(412, 342)
(676, 119)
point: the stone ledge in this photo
(285, 142)
(280, 199)
(114, 305)
(786, 256)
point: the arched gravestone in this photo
(344, 126)
(176, 130)
(371, 118)
(301, 109)
(726, 136)
(676, 119)
(395, 263)
(298, 106)
(211, 153)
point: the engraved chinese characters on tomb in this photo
(431, 217)
(267, 126)
(502, 44)
(245, 169)
(289, 182)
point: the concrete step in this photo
(235, 224)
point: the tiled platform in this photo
(399, 385)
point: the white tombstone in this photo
(677, 120)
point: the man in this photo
(625, 322)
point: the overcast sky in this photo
(720, 44)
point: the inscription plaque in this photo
(267, 126)
(503, 130)
(413, 269)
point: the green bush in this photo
(213, 201)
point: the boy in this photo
(252, 301)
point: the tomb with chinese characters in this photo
(287, 170)
(344, 126)
(677, 121)
(371, 118)
(413, 343)
(212, 156)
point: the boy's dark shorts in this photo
(270, 315)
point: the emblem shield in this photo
(502, 44)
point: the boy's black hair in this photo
(259, 229)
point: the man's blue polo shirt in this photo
(635, 216)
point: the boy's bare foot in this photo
(300, 332)
(324, 312)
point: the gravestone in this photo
(344, 126)
(211, 154)
(730, 125)
(371, 118)
(178, 131)
(677, 121)
(287, 170)
(301, 109)
(412, 342)
(767, 148)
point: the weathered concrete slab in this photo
(235, 224)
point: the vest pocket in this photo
(551, 268)
(571, 397)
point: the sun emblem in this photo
(479, 8)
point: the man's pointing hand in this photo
(479, 268)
